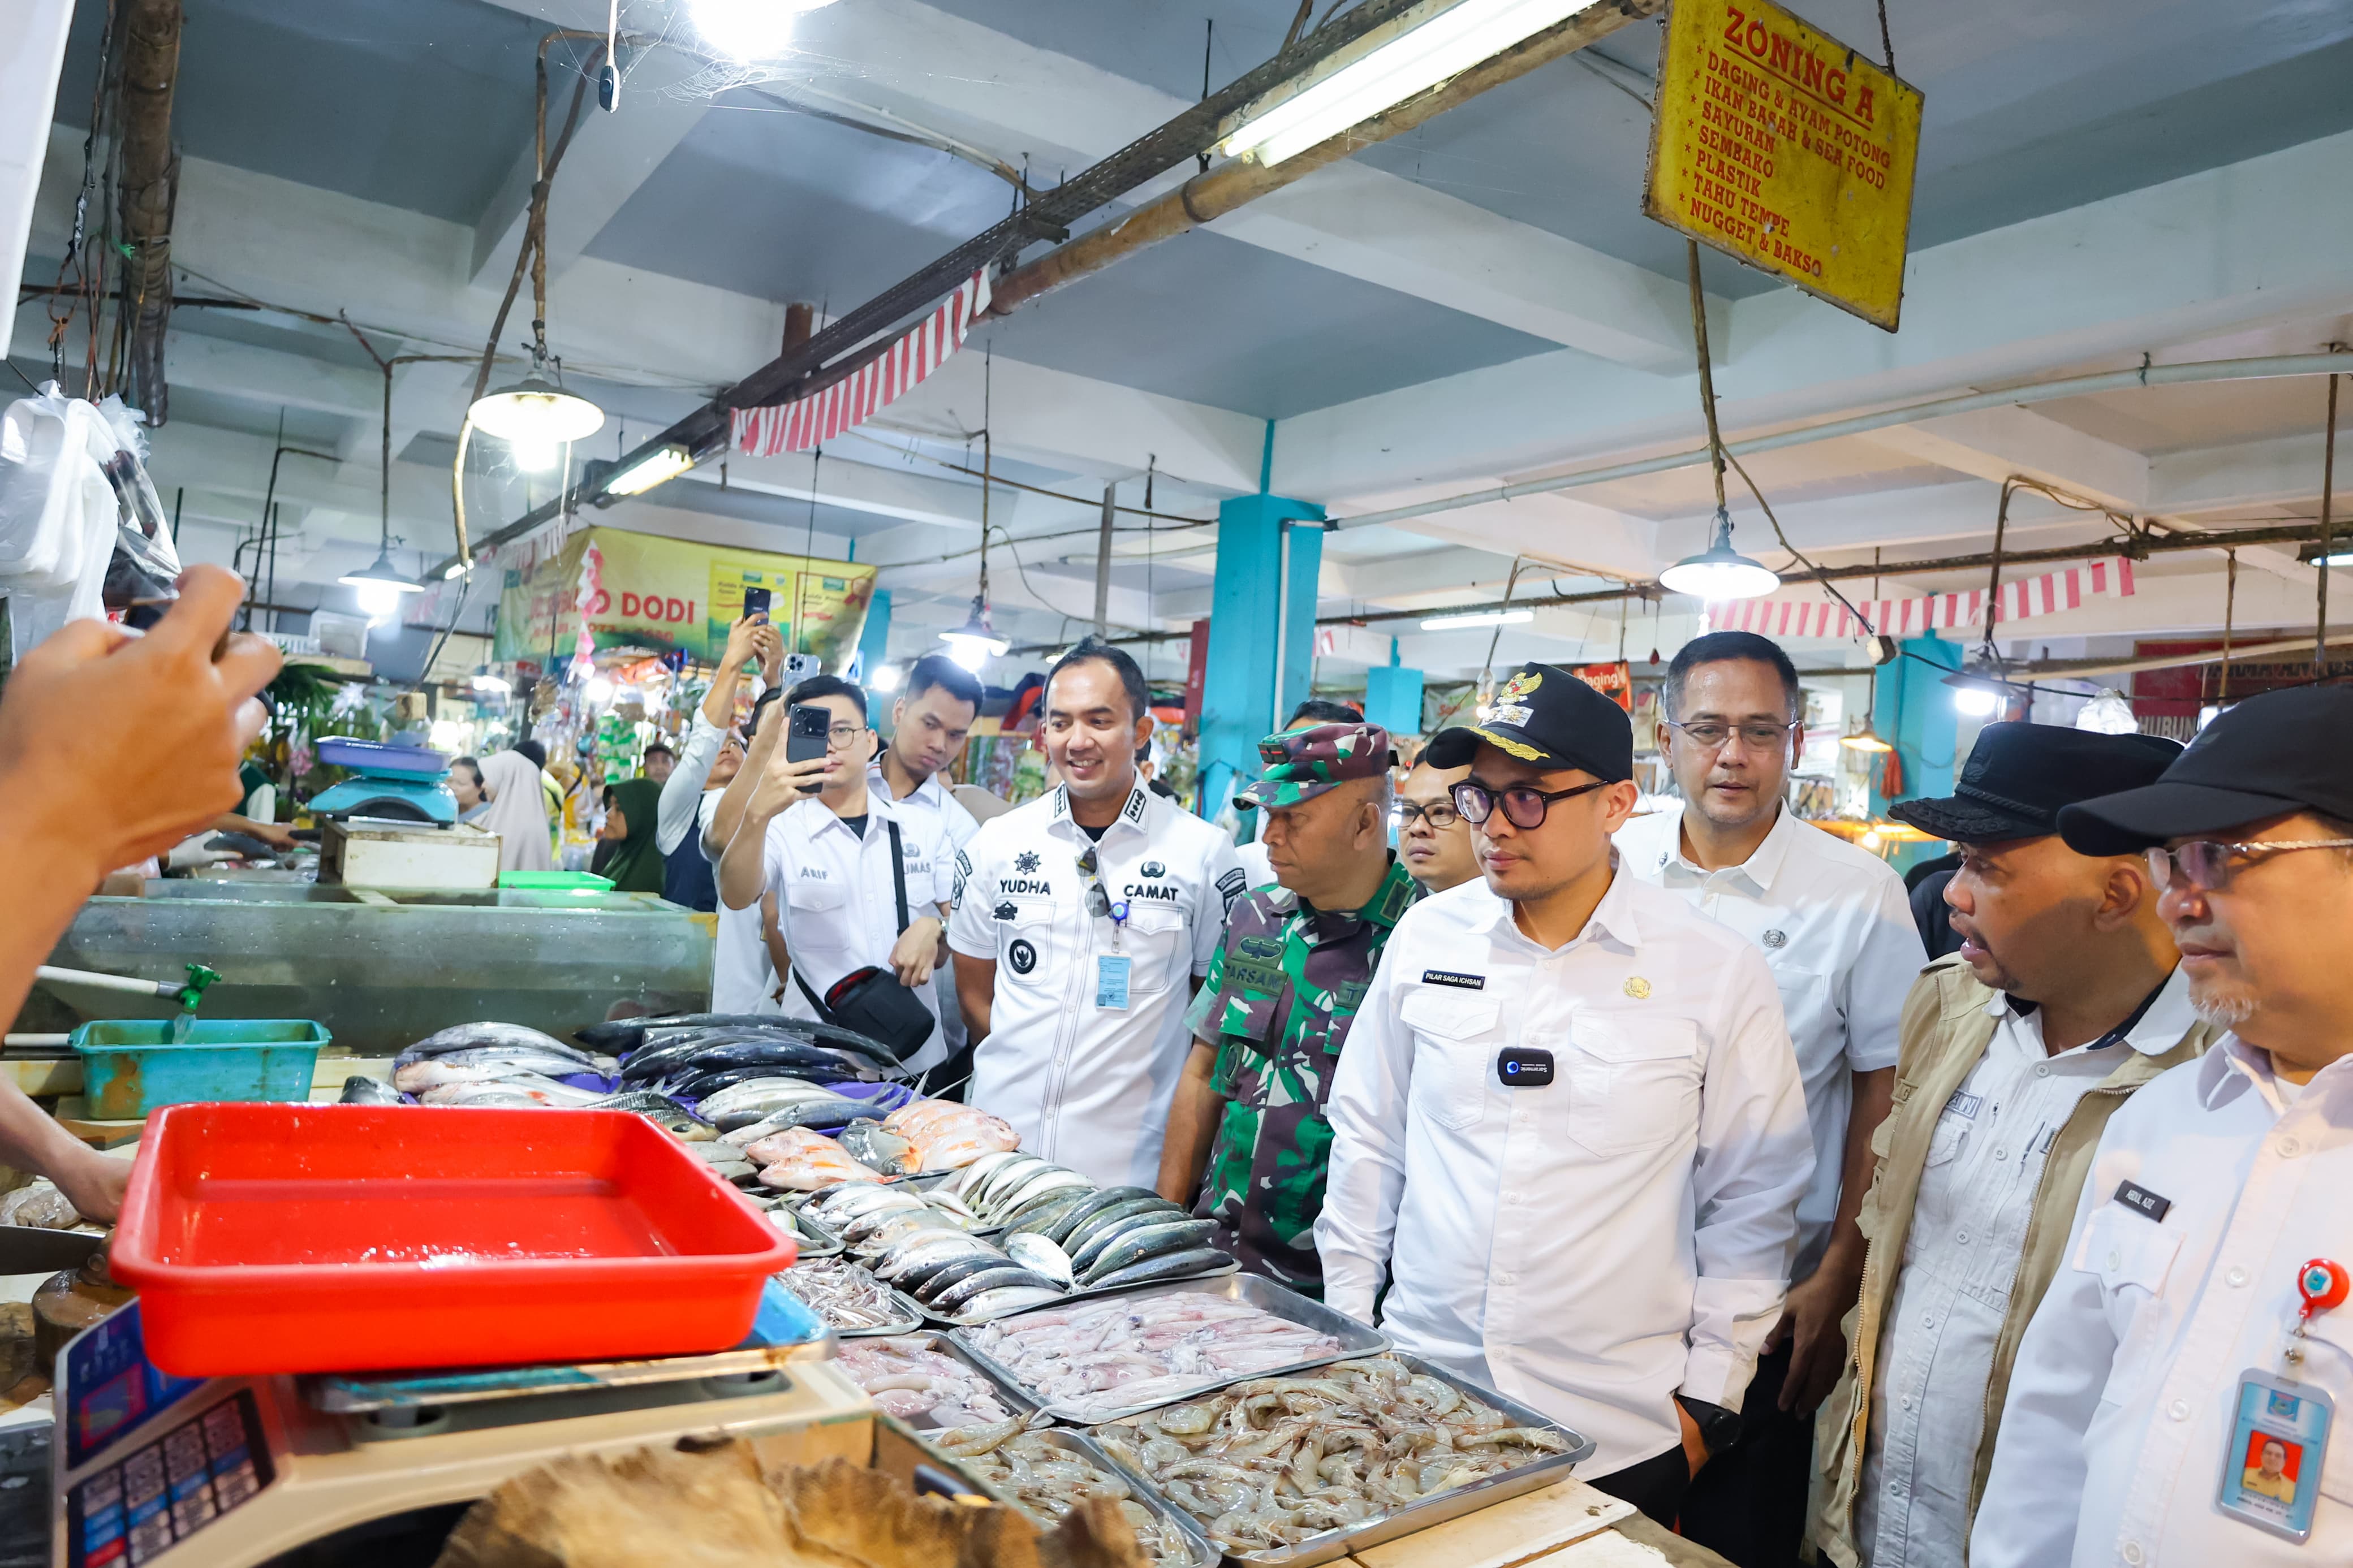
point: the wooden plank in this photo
(1517, 1530)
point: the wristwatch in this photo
(1718, 1429)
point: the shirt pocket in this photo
(1952, 1130)
(1025, 943)
(2131, 1257)
(816, 918)
(1455, 1041)
(1805, 1005)
(1632, 1085)
(1154, 940)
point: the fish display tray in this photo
(130, 1066)
(1203, 1552)
(1414, 1516)
(288, 1238)
(1016, 1399)
(1357, 1341)
(822, 1242)
(1089, 1294)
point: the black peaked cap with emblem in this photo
(2020, 776)
(1546, 716)
(2274, 753)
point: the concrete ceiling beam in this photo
(1998, 443)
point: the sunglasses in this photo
(1524, 806)
(2208, 864)
(1099, 899)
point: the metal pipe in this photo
(1856, 424)
(2328, 495)
(1209, 196)
(97, 981)
(1102, 560)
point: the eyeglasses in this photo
(1437, 814)
(1709, 736)
(1524, 806)
(839, 735)
(1098, 900)
(2208, 864)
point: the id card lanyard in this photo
(2281, 1425)
(1111, 969)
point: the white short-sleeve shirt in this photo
(1088, 1085)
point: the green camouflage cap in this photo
(1303, 763)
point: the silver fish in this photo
(1041, 1257)
(768, 1095)
(467, 1036)
(1006, 1300)
(1167, 1266)
(361, 1089)
(1136, 1246)
(874, 1148)
(951, 1301)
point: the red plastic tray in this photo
(284, 1239)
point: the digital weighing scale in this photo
(233, 1472)
(390, 783)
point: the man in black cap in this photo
(2204, 1313)
(2063, 999)
(1569, 1124)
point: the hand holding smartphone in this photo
(807, 729)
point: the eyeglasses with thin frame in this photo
(1709, 735)
(1524, 806)
(1438, 814)
(2208, 864)
(839, 736)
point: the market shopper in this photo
(1832, 925)
(466, 788)
(711, 755)
(858, 882)
(632, 811)
(1433, 841)
(1272, 1015)
(2198, 1312)
(1568, 1125)
(1081, 921)
(2065, 999)
(742, 961)
(518, 811)
(78, 799)
(930, 720)
(658, 764)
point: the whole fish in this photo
(802, 1030)
(1106, 1217)
(1150, 1241)
(1041, 1218)
(539, 1090)
(1005, 1302)
(465, 1037)
(966, 1181)
(919, 1256)
(1041, 1257)
(777, 1121)
(627, 1034)
(665, 1113)
(697, 1080)
(498, 1060)
(361, 1089)
(1167, 1266)
(776, 1091)
(951, 1301)
(830, 1112)
(1094, 1204)
(871, 1146)
(926, 1284)
(1053, 1178)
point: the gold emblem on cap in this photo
(1520, 685)
(1637, 988)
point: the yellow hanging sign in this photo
(1776, 143)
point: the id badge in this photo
(1110, 981)
(2272, 1465)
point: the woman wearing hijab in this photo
(632, 808)
(517, 812)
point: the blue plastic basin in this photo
(131, 1066)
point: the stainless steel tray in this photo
(815, 1241)
(1356, 1340)
(1415, 1516)
(910, 1321)
(1014, 1399)
(1200, 1551)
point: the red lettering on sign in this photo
(1732, 28)
(1836, 87)
(630, 604)
(1759, 39)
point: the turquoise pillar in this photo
(874, 638)
(1266, 543)
(1393, 698)
(1916, 712)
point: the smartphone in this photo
(808, 728)
(756, 601)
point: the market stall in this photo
(788, 1246)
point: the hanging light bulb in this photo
(380, 586)
(1865, 739)
(749, 30)
(1719, 571)
(537, 414)
(975, 643)
(533, 456)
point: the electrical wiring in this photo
(910, 452)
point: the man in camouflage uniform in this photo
(1274, 1009)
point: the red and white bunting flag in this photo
(812, 421)
(2066, 589)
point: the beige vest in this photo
(1945, 1032)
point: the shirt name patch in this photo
(1964, 1104)
(2143, 1202)
(1451, 977)
(1023, 885)
(1157, 892)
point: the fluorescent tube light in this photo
(1477, 618)
(659, 466)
